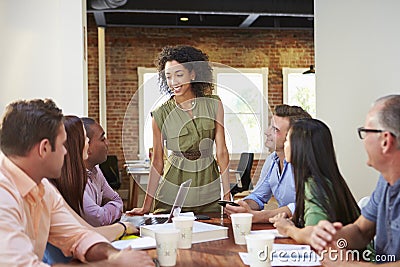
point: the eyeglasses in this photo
(362, 132)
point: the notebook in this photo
(175, 210)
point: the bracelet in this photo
(124, 233)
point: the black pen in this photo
(156, 262)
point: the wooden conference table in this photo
(220, 252)
(139, 179)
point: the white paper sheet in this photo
(270, 231)
(185, 214)
(137, 243)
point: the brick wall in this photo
(129, 48)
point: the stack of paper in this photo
(202, 232)
(269, 231)
(137, 243)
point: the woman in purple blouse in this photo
(72, 186)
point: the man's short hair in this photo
(87, 123)
(294, 113)
(389, 116)
(26, 123)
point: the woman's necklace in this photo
(193, 102)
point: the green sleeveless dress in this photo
(184, 137)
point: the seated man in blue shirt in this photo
(276, 175)
(381, 216)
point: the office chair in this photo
(244, 166)
(111, 172)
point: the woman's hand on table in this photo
(282, 223)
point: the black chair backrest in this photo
(244, 166)
(111, 171)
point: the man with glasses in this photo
(276, 175)
(362, 132)
(381, 216)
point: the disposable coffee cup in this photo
(185, 225)
(167, 246)
(259, 249)
(241, 226)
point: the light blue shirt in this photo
(274, 182)
(383, 209)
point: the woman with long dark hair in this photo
(73, 173)
(72, 184)
(321, 191)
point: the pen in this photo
(156, 262)
(222, 198)
(127, 237)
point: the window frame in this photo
(285, 77)
(264, 107)
(285, 74)
(141, 72)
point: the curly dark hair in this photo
(195, 60)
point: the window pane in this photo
(243, 132)
(242, 96)
(152, 99)
(301, 91)
(241, 92)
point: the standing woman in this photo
(321, 191)
(188, 124)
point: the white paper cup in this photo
(259, 249)
(167, 246)
(241, 226)
(185, 225)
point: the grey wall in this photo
(357, 55)
(42, 52)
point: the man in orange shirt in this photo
(32, 138)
